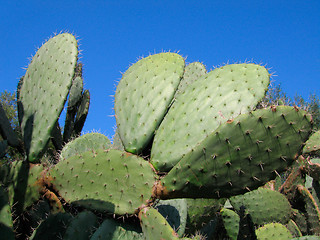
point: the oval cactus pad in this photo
(143, 96)
(104, 180)
(45, 89)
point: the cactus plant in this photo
(181, 133)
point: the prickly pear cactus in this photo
(198, 136)
(44, 91)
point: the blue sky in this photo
(284, 35)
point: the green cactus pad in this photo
(104, 180)
(112, 230)
(192, 72)
(240, 155)
(201, 211)
(143, 97)
(87, 142)
(45, 89)
(213, 99)
(82, 226)
(260, 204)
(273, 231)
(155, 226)
(175, 211)
(6, 223)
(230, 222)
(53, 227)
(313, 144)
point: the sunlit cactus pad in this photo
(110, 181)
(143, 96)
(44, 91)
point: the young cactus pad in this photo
(45, 89)
(143, 96)
(216, 97)
(104, 180)
(241, 155)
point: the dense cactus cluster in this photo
(193, 157)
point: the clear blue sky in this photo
(285, 35)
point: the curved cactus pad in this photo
(213, 99)
(155, 226)
(175, 211)
(143, 96)
(260, 204)
(45, 89)
(241, 155)
(104, 180)
(230, 222)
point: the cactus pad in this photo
(231, 222)
(241, 155)
(104, 180)
(273, 231)
(143, 96)
(44, 91)
(260, 204)
(155, 226)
